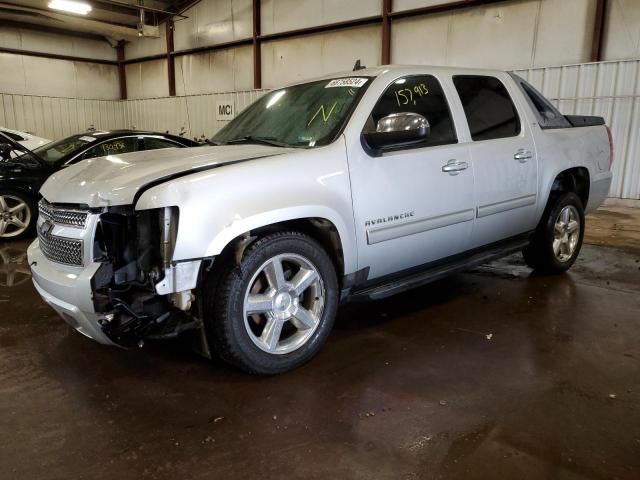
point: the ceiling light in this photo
(70, 6)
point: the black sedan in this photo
(22, 172)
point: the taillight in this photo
(610, 135)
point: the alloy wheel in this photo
(283, 304)
(566, 233)
(15, 216)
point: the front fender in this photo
(221, 204)
(286, 214)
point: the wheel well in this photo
(320, 229)
(574, 180)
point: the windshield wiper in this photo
(251, 139)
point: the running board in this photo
(431, 274)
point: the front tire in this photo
(558, 239)
(17, 216)
(273, 311)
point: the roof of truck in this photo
(398, 69)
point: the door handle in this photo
(453, 167)
(523, 155)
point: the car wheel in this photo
(17, 216)
(273, 311)
(558, 239)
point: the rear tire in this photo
(273, 311)
(558, 238)
(17, 216)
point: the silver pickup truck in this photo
(353, 186)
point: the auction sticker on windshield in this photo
(356, 82)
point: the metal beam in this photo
(322, 28)
(171, 61)
(55, 56)
(598, 30)
(44, 28)
(387, 7)
(443, 8)
(122, 74)
(210, 48)
(257, 49)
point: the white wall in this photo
(622, 30)
(283, 15)
(225, 70)
(212, 22)
(37, 41)
(147, 79)
(53, 117)
(510, 35)
(29, 75)
(285, 61)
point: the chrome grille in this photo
(63, 216)
(63, 250)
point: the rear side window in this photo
(154, 143)
(548, 115)
(488, 107)
(417, 94)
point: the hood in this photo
(115, 179)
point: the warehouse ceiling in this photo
(114, 19)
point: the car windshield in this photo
(306, 115)
(54, 151)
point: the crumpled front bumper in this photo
(68, 291)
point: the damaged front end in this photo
(140, 292)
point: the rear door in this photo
(504, 159)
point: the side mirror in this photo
(404, 128)
(5, 151)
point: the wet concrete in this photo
(491, 374)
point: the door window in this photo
(488, 107)
(417, 94)
(112, 147)
(154, 143)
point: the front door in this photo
(413, 204)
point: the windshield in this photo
(54, 151)
(307, 115)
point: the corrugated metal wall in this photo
(55, 117)
(608, 89)
(195, 115)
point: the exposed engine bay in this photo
(130, 287)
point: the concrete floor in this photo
(491, 374)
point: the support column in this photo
(257, 53)
(122, 74)
(598, 30)
(171, 61)
(387, 6)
